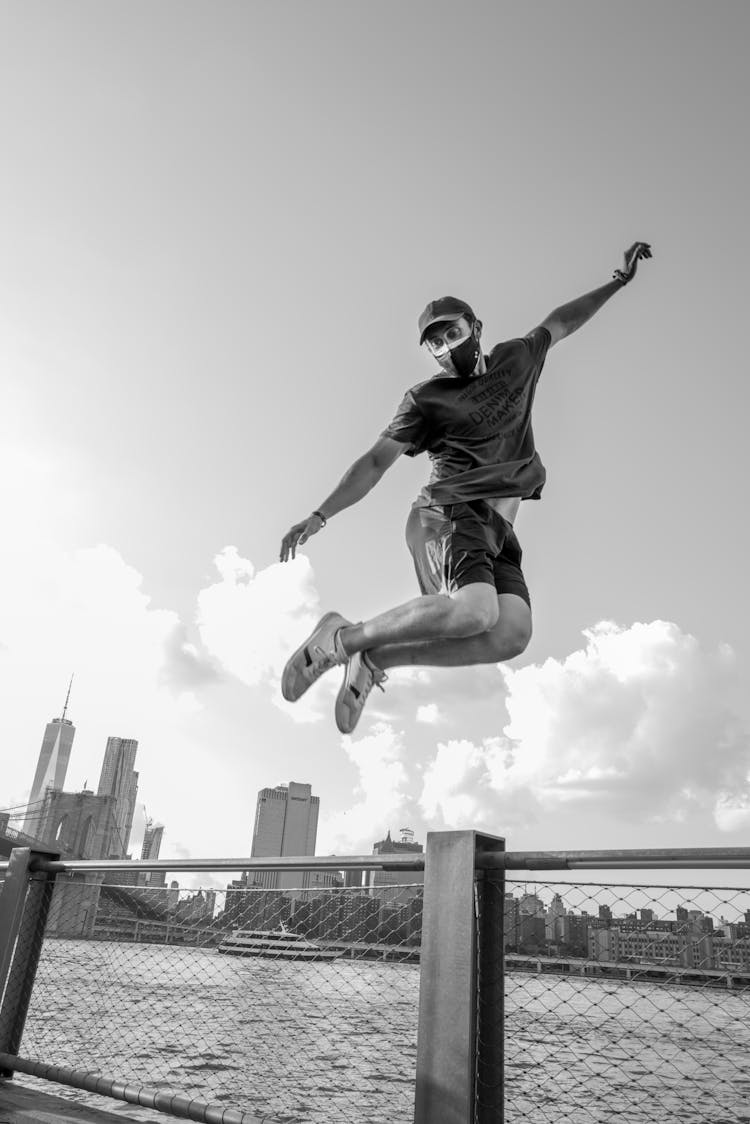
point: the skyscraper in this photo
(408, 881)
(152, 838)
(51, 766)
(286, 823)
(119, 779)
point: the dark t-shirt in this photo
(477, 431)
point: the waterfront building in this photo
(554, 919)
(531, 904)
(731, 955)
(601, 943)
(576, 933)
(119, 779)
(51, 767)
(396, 887)
(532, 932)
(360, 916)
(652, 946)
(511, 921)
(152, 838)
(286, 823)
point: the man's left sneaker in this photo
(318, 654)
(361, 676)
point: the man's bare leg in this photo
(507, 639)
(468, 612)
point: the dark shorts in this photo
(461, 543)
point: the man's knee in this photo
(512, 633)
(518, 637)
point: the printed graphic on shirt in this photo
(477, 431)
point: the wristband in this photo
(321, 517)
(623, 278)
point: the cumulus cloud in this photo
(85, 611)
(639, 722)
(251, 620)
(430, 714)
(383, 794)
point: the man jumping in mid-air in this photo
(474, 420)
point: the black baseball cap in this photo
(444, 308)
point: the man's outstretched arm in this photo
(569, 317)
(356, 482)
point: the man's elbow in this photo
(558, 328)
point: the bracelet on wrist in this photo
(623, 278)
(321, 517)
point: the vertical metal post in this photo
(24, 903)
(447, 1036)
(490, 1087)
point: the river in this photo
(336, 1041)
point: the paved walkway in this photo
(27, 1106)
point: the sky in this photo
(219, 223)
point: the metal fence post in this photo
(24, 902)
(490, 1072)
(447, 1037)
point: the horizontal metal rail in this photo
(301, 862)
(686, 858)
(175, 1104)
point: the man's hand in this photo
(632, 256)
(298, 536)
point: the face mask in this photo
(464, 356)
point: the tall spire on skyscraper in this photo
(67, 697)
(52, 764)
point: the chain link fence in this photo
(291, 997)
(300, 1003)
(625, 1002)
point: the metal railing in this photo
(444, 988)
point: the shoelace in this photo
(326, 659)
(373, 682)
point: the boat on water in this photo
(281, 944)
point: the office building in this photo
(152, 838)
(51, 768)
(286, 823)
(119, 779)
(396, 887)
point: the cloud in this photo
(638, 723)
(429, 714)
(85, 611)
(384, 792)
(185, 663)
(250, 621)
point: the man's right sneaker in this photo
(318, 654)
(361, 676)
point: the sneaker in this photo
(361, 676)
(318, 654)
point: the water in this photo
(322, 1041)
(336, 1041)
